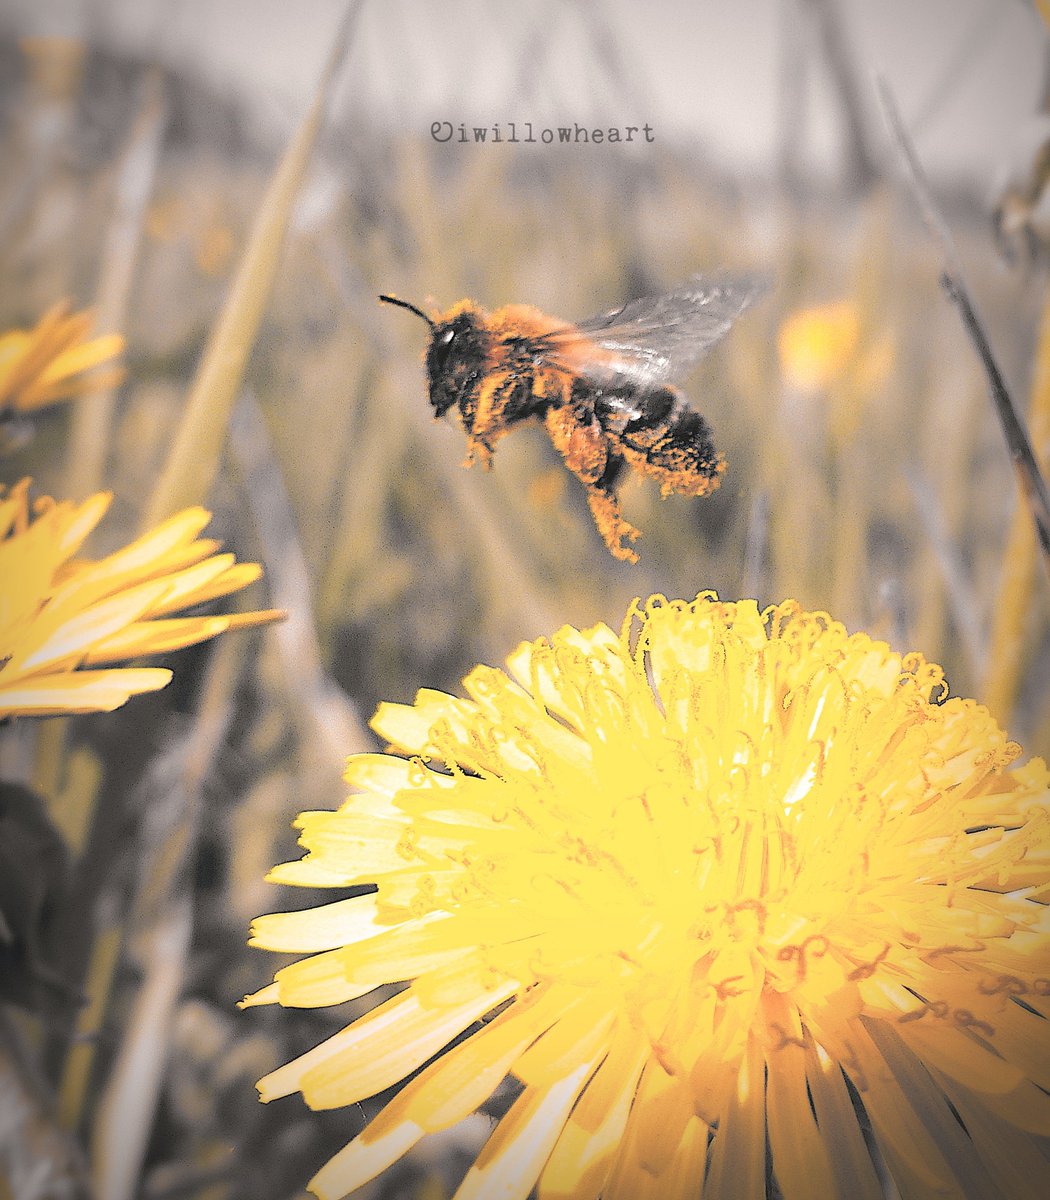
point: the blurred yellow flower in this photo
(52, 361)
(816, 345)
(64, 621)
(725, 885)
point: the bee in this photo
(601, 387)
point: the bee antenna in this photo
(411, 308)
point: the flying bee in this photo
(602, 387)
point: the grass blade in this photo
(92, 416)
(194, 459)
(1033, 485)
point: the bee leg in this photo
(605, 509)
(475, 406)
(492, 415)
(580, 440)
(478, 451)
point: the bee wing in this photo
(657, 339)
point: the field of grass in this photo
(265, 382)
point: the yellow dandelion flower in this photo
(816, 345)
(64, 621)
(54, 361)
(728, 887)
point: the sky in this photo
(709, 73)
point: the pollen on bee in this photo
(611, 525)
(682, 478)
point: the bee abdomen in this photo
(676, 443)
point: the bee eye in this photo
(441, 348)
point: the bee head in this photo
(456, 354)
(455, 357)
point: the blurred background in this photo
(867, 472)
